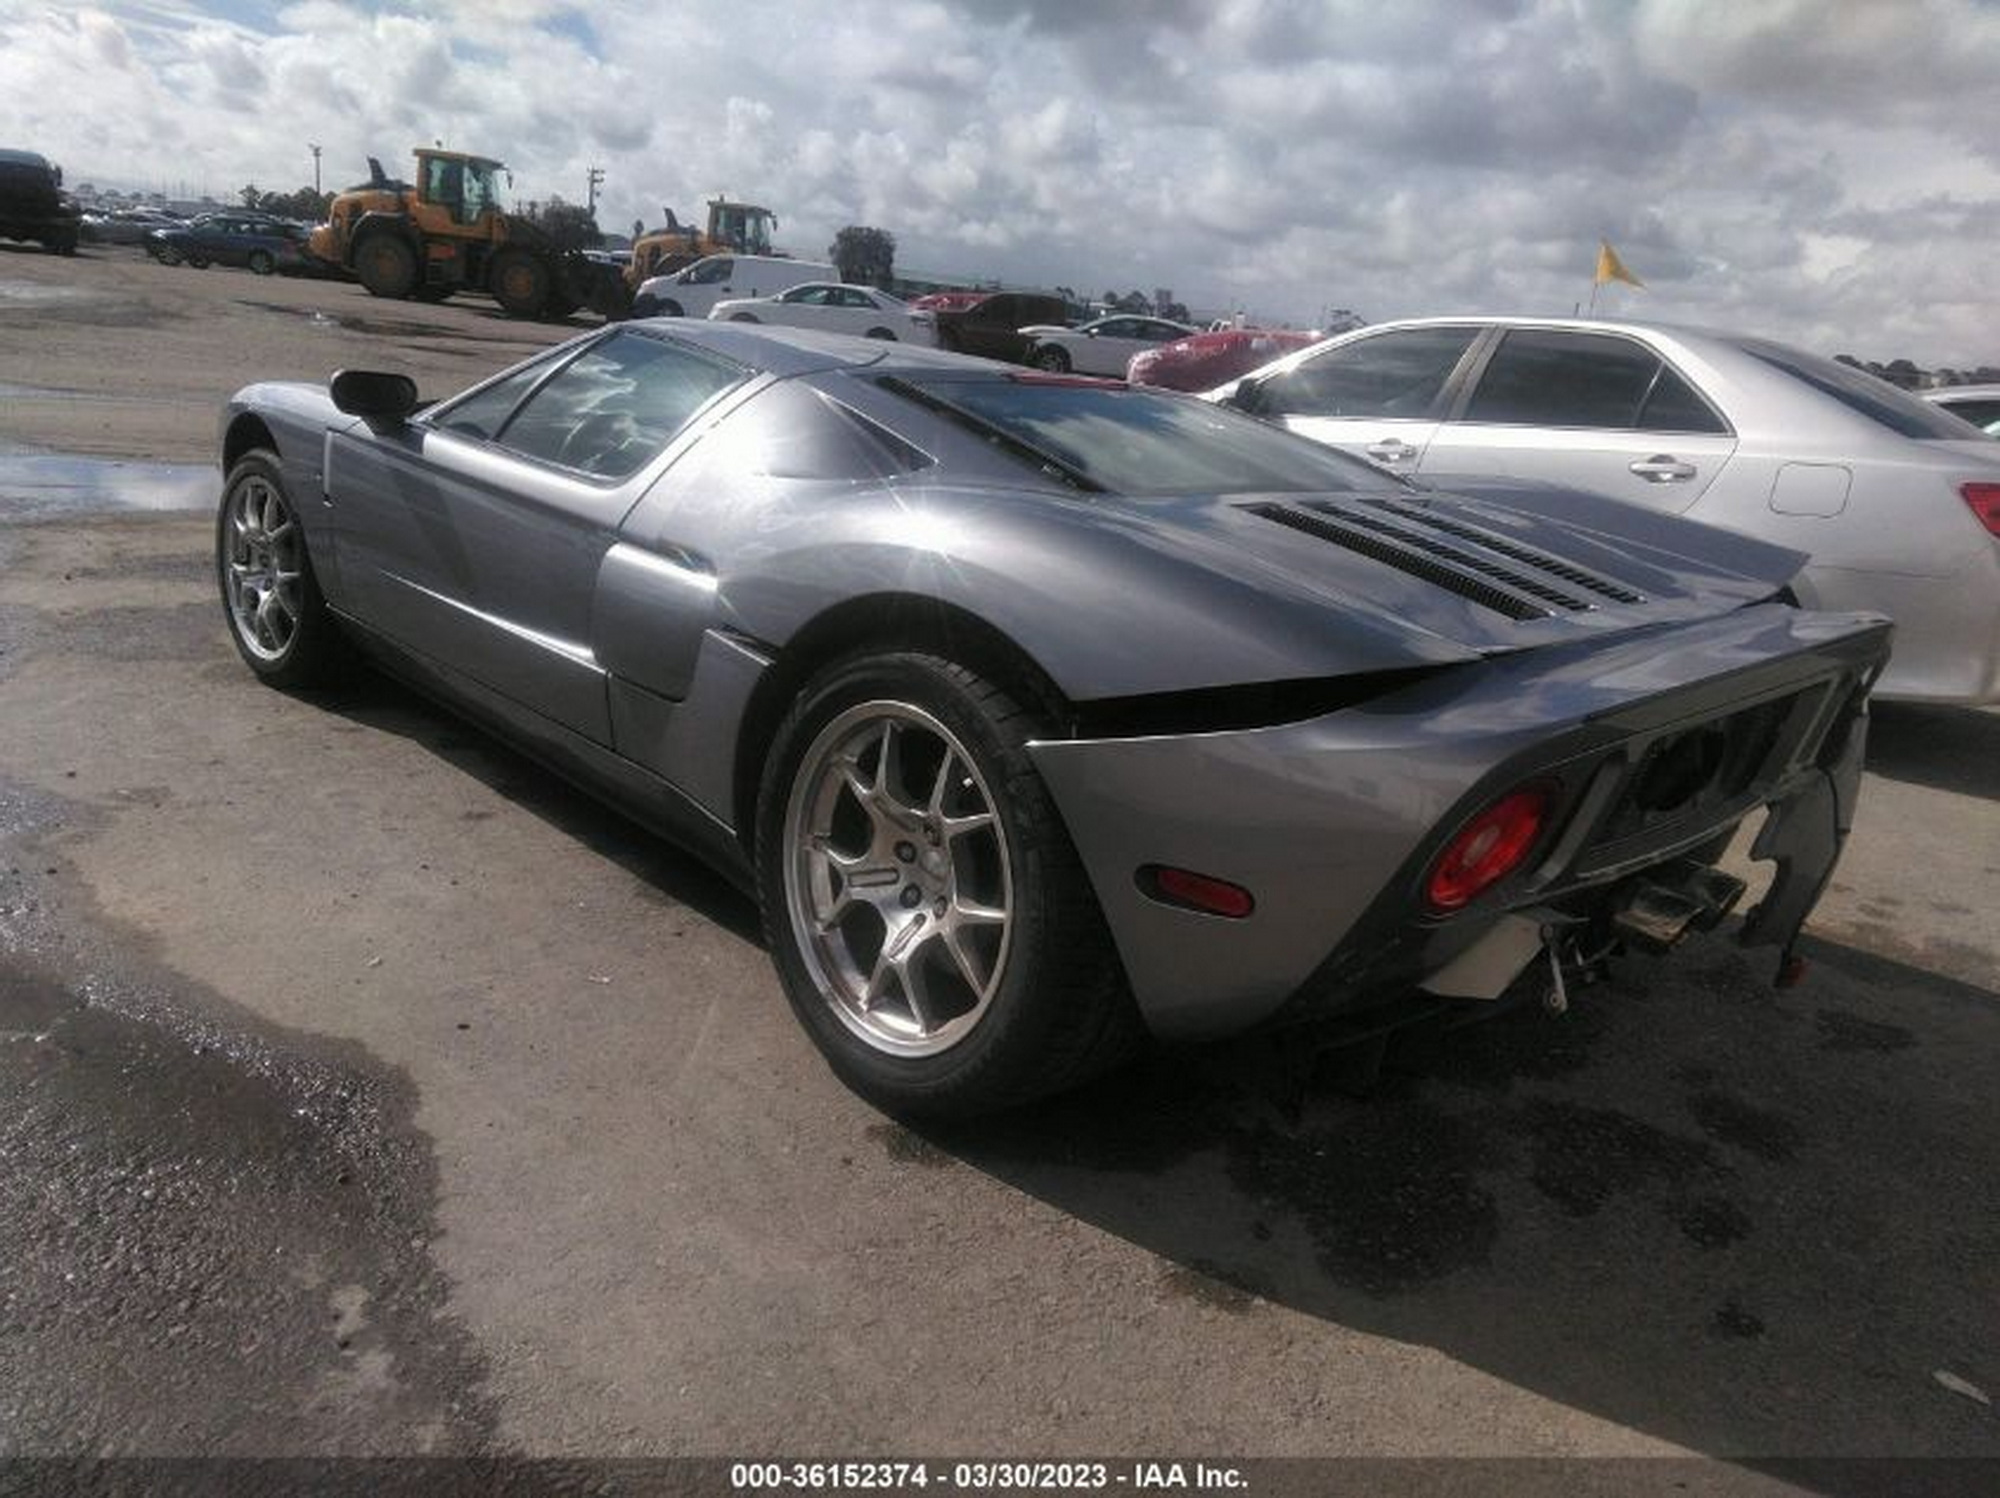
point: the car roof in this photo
(786, 351)
(1946, 394)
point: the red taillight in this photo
(1486, 849)
(1194, 891)
(1984, 500)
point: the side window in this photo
(1397, 374)
(1551, 378)
(711, 273)
(484, 412)
(617, 404)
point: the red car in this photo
(1202, 361)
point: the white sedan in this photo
(832, 307)
(1896, 502)
(1103, 347)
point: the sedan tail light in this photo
(1487, 849)
(1984, 501)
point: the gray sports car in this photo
(1043, 713)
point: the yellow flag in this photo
(1611, 268)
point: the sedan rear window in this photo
(1125, 440)
(1859, 391)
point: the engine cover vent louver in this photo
(1499, 575)
(1569, 572)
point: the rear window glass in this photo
(1130, 440)
(1859, 391)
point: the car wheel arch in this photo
(886, 622)
(246, 434)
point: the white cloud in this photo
(1817, 169)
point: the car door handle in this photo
(1663, 468)
(1393, 450)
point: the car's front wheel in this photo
(262, 262)
(1051, 358)
(277, 616)
(931, 922)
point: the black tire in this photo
(166, 254)
(560, 307)
(386, 266)
(262, 262)
(519, 282)
(291, 641)
(1012, 1008)
(667, 308)
(882, 333)
(1051, 358)
(198, 262)
(743, 317)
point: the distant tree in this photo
(864, 256)
(1340, 320)
(304, 204)
(1848, 359)
(571, 225)
(250, 196)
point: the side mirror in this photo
(1248, 396)
(381, 399)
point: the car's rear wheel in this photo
(931, 922)
(262, 262)
(742, 317)
(386, 265)
(166, 254)
(198, 261)
(277, 616)
(1051, 358)
(882, 333)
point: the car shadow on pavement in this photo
(1953, 749)
(1740, 1220)
(381, 702)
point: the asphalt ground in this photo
(365, 1091)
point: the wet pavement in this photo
(37, 486)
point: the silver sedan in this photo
(1897, 502)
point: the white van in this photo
(692, 290)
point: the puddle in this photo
(34, 486)
(30, 293)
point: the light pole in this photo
(315, 151)
(596, 178)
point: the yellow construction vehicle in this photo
(733, 228)
(447, 233)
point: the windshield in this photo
(1127, 440)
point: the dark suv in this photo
(988, 326)
(33, 204)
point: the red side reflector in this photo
(1486, 849)
(1194, 891)
(1984, 500)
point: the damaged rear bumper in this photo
(1658, 746)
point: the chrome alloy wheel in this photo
(897, 880)
(261, 568)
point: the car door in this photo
(810, 307)
(474, 536)
(1379, 395)
(1591, 410)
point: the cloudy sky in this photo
(1826, 171)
